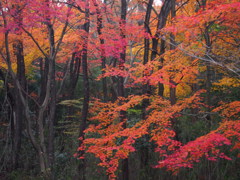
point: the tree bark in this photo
(19, 111)
(208, 71)
(75, 65)
(102, 49)
(146, 89)
(162, 51)
(125, 167)
(162, 20)
(173, 97)
(86, 27)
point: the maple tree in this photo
(125, 77)
(110, 153)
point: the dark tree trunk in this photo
(208, 72)
(162, 19)
(52, 101)
(147, 30)
(82, 165)
(52, 113)
(146, 89)
(162, 51)
(125, 168)
(208, 76)
(173, 97)
(75, 64)
(114, 82)
(44, 68)
(19, 111)
(102, 49)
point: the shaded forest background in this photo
(119, 89)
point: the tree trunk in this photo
(208, 73)
(82, 165)
(102, 49)
(162, 19)
(75, 65)
(173, 97)
(146, 89)
(162, 51)
(52, 113)
(125, 168)
(19, 111)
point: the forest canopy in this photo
(119, 89)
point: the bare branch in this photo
(35, 41)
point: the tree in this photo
(116, 143)
(143, 85)
(47, 102)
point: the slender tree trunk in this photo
(102, 49)
(52, 98)
(146, 89)
(147, 30)
(208, 64)
(162, 51)
(52, 111)
(114, 82)
(75, 65)
(44, 68)
(172, 88)
(173, 97)
(19, 113)
(125, 167)
(82, 165)
(162, 19)
(208, 71)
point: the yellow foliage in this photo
(182, 90)
(227, 82)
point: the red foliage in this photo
(192, 152)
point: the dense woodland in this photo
(119, 89)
